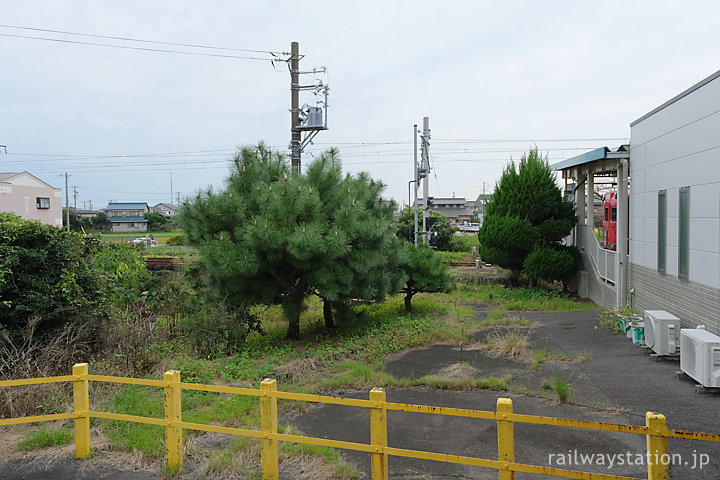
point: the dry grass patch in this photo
(301, 368)
(458, 370)
(513, 344)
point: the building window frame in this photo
(684, 232)
(662, 232)
(42, 203)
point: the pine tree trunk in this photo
(408, 302)
(291, 309)
(328, 315)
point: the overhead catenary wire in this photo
(147, 49)
(130, 39)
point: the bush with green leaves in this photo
(528, 217)
(46, 274)
(156, 222)
(549, 263)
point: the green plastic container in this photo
(638, 333)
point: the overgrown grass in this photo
(44, 437)
(352, 356)
(523, 299)
(508, 343)
(454, 256)
(501, 318)
(131, 436)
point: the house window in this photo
(662, 230)
(131, 225)
(684, 233)
(42, 203)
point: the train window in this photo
(614, 214)
(606, 214)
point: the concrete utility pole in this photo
(415, 169)
(67, 204)
(426, 171)
(171, 196)
(75, 194)
(295, 106)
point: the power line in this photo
(146, 49)
(129, 39)
(335, 100)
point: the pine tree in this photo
(525, 218)
(425, 272)
(273, 236)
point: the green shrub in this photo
(548, 263)
(45, 274)
(215, 331)
(178, 239)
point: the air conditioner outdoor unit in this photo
(662, 331)
(700, 356)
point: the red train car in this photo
(610, 220)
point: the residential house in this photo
(83, 214)
(167, 210)
(127, 217)
(668, 212)
(457, 210)
(29, 197)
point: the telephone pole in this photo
(295, 106)
(67, 204)
(75, 195)
(425, 169)
(417, 173)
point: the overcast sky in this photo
(493, 77)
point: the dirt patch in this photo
(306, 467)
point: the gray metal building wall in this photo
(694, 304)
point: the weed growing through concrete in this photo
(501, 318)
(563, 390)
(508, 343)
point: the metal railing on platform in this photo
(655, 429)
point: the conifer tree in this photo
(274, 236)
(525, 218)
(425, 272)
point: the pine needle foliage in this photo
(276, 236)
(425, 272)
(526, 220)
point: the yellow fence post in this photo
(81, 406)
(269, 424)
(657, 447)
(506, 438)
(378, 434)
(173, 414)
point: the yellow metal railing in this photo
(655, 429)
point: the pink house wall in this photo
(18, 195)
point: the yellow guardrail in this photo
(655, 429)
